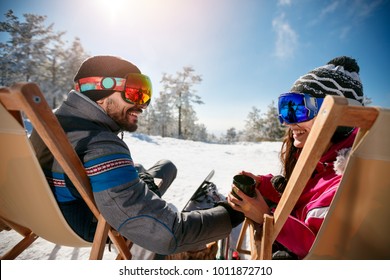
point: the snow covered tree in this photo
(27, 44)
(164, 112)
(200, 133)
(180, 90)
(254, 126)
(272, 128)
(75, 55)
(148, 122)
(53, 74)
(264, 127)
(33, 52)
(231, 135)
(60, 68)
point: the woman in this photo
(340, 76)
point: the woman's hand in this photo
(257, 178)
(253, 208)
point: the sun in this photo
(113, 10)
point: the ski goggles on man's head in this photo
(298, 107)
(135, 88)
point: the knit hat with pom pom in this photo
(340, 76)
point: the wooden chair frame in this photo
(27, 98)
(255, 232)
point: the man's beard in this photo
(125, 126)
(121, 121)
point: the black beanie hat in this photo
(104, 66)
(340, 76)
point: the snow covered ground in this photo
(194, 161)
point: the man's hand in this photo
(149, 181)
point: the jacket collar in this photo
(81, 106)
(336, 152)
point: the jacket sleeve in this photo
(296, 236)
(147, 220)
(299, 231)
(139, 214)
(267, 190)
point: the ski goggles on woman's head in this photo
(298, 107)
(135, 88)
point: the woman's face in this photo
(300, 132)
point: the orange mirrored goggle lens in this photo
(138, 89)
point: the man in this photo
(110, 94)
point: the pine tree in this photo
(231, 135)
(163, 109)
(36, 53)
(28, 44)
(264, 127)
(181, 93)
(75, 55)
(272, 128)
(254, 126)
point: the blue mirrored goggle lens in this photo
(296, 108)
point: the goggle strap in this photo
(100, 83)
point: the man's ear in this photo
(102, 103)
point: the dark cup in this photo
(245, 183)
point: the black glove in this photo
(236, 217)
(149, 181)
(279, 183)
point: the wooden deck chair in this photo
(357, 225)
(358, 222)
(27, 203)
(254, 230)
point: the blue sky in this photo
(247, 51)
